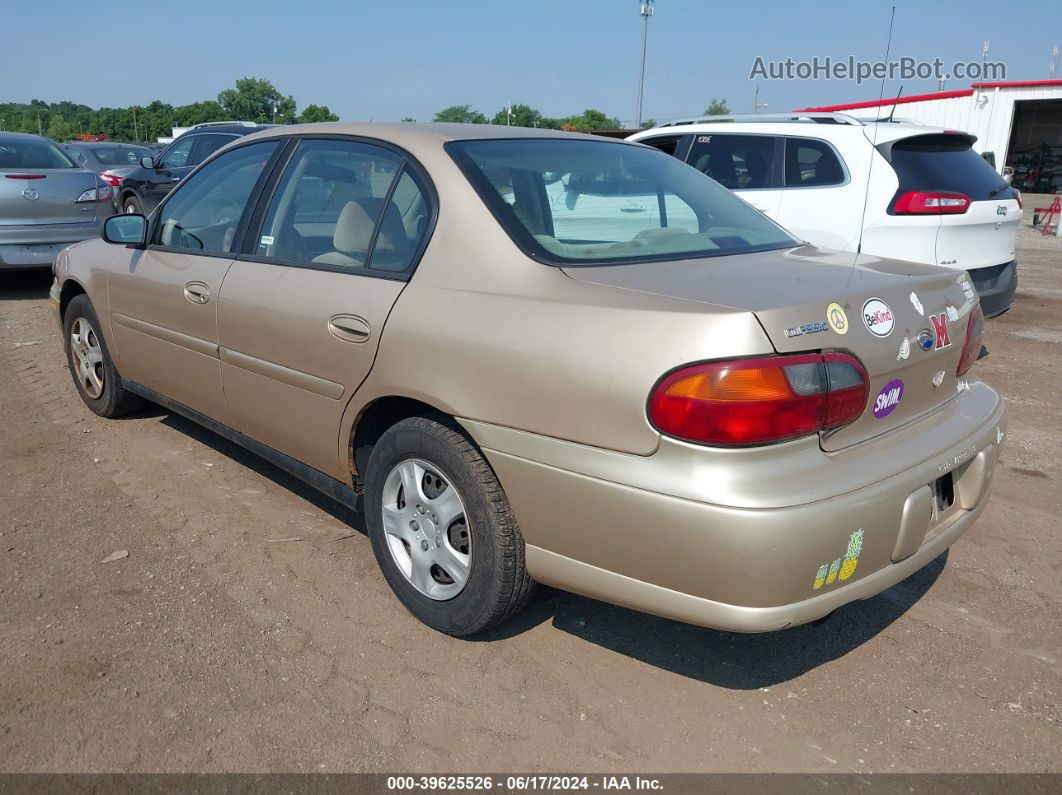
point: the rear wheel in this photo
(442, 530)
(90, 363)
(131, 204)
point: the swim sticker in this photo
(837, 319)
(878, 318)
(888, 399)
(905, 350)
(953, 313)
(841, 568)
(917, 304)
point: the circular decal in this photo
(837, 319)
(888, 398)
(878, 318)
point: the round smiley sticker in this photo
(837, 319)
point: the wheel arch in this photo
(374, 418)
(70, 290)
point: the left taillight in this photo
(747, 402)
(922, 202)
(98, 194)
(971, 348)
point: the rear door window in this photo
(810, 162)
(944, 163)
(179, 153)
(345, 204)
(737, 162)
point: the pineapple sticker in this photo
(851, 557)
(828, 574)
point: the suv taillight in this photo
(920, 202)
(745, 402)
(971, 348)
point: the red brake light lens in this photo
(26, 176)
(110, 179)
(920, 202)
(747, 402)
(971, 348)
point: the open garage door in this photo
(1035, 151)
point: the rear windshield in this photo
(120, 155)
(599, 202)
(32, 153)
(944, 163)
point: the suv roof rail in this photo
(810, 117)
(892, 120)
(224, 123)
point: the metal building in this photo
(1018, 124)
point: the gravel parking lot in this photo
(248, 628)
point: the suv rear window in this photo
(943, 163)
(575, 202)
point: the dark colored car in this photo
(145, 186)
(111, 161)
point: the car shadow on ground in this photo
(726, 659)
(32, 285)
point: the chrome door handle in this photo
(349, 328)
(175, 179)
(197, 292)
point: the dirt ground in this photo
(220, 644)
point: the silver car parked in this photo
(47, 201)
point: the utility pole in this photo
(40, 130)
(1053, 66)
(756, 104)
(136, 131)
(646, 11)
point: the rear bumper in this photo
(36, 246)
(743, 569)
(996, 286)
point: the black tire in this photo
(131, 204)
(498, 585)
(114, 400)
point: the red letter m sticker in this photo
(940, 330)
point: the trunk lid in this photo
(981, 237)
(31, 196)
(887, 304)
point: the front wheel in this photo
(442, 529)
(90, 363)
(131, 204)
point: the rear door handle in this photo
(349, 328)
(197, 292)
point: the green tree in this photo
(312, 113)
(198, 113)
(717, 107)
(648, 123)
(408, 118)
(591, 119)
(462, 114)
(522, 116)
(255, 99)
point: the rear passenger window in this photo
(345, 204)
(809, 162)
(737, 162)
(207, 145)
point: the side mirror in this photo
(147, 162)
(125, 230)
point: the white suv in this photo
(929, 197)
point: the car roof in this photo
(18, 136)
(422, 135)
(828, 126)
(238, 129)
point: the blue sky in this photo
(394, 58)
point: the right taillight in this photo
(746, 402)
(921, 202)
(971, 348)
